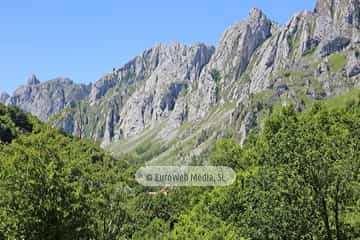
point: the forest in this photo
(297, 178)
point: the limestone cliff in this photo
(192, 94)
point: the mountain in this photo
(46, 99)
(4, 97)
(177, 99)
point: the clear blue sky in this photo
(83, 40)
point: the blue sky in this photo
(83, 40)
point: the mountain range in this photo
(176, 99)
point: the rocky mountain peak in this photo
(45, 99)
(257, 18)
(185, 62)
(238, 43)
(256, 14)
(33, 80)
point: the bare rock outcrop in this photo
(46, 99)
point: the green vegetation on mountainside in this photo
(298, 178)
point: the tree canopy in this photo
(298, 178)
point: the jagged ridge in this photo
(255, 66)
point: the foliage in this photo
(13, 122)
(297, 179)
(337, 61)
(56, 187)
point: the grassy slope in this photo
(185, 143)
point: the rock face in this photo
(44, 100)
(256, 65)
(342, 12)
(238, 44)
(177, 67)
(230, 60)
(4, 97)
(147, 90)
(353, 66)
(100, 88)
(32, 80)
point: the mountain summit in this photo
(33, 80)
(192, 94)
